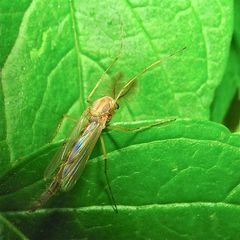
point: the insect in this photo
(70, 160)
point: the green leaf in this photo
(178, 181)
(11, 17)
(62, 47)
(237, 21)
(237, 38)
(9, 231)
(174, 180)
(225, 107)
(228, 87)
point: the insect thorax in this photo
(104, 106)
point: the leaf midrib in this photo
(130, 207)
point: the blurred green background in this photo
(175, 181)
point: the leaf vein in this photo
(154, 50)
(77, 47)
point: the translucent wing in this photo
(64, 150)
(79, 156)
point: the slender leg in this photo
(65, 116)
(115, 81)
(128, 85)
(123, 129)
(106, 174)
(108, 68)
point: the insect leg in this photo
(130, 82)
(65, 116)
(106, 174)
(140, 128)
(108, 68)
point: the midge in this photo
(70, 160)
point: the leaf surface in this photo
(62, 47)
(189, 181)
(178, 181)
(228, 88)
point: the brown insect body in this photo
(102, 110)
(98, 114)
(69, 162)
